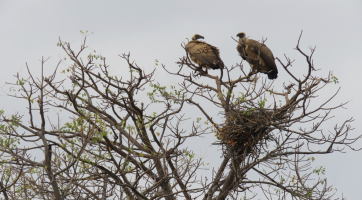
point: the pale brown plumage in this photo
(254, 51)
(203, 54)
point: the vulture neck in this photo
(242, 40)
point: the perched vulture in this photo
(203, 54)
(252, 51)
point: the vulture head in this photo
(241, 36)
(197, 36)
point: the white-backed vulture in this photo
(254, 51)
(204, 54)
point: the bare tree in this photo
(117, 144)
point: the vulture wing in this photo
(267, 64)
(269, 60)
(204, 54)
(241, 50)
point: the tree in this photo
(117, 144)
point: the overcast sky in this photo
(155, 29)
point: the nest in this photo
(244, 129)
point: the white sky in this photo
(155, 29)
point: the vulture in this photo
(254, 52)
(204, 54)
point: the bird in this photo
(258, 55)
(204, 54)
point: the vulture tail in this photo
(218, 66)
(273, 75)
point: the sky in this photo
(152, 30)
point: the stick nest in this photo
(244, 129)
